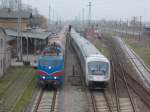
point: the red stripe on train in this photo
(41, 73)
(45, 74)
(58, 73)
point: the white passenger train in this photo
(95, 66)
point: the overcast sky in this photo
(108, 9)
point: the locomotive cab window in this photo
(97, 68)
(55, 62)
(44, 63)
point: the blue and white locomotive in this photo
(50, 69)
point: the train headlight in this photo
(55, 77)
(49, 67)
(44, 77)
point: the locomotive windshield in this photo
(50, 62)
(55, 62)
(43, 62)
(97, 68)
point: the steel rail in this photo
(92, 97)
(116, 88)
(108, 105)
(93, 102)
(142, 74)
(128, 90)
(139, 89)
(39, 100)
(139, 60)
(125, 81)
(54, 101)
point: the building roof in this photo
(35, 35)
(9, 14)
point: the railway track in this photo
(138, 89)
(98, 99)
(139, 65)
(127, 102)
(131, 82)
(100, 102)
(46, 101)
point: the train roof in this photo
(87, 48)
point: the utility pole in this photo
(49, 16)
(127, 27)
(53, 14)
(83, 16)
(18, 33)
(120, 30)
(140, 32)
(141, 23)
(134, 26)
(79, 17)
(89, 16)
(120, 24)
(19, 28)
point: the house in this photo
(9, 19)
(5, 54)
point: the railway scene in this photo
(74, 56)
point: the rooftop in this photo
(35, 35)
(9, 14)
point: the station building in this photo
(9, 19)
(36, 41)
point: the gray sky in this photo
(108, 9)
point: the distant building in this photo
(5, 55)
(147, 29)
(9, 19)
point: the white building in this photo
(5, 54)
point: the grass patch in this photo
(13, 85)
(142, 48)
(113, 33)
(27, 95)
(102, 47)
